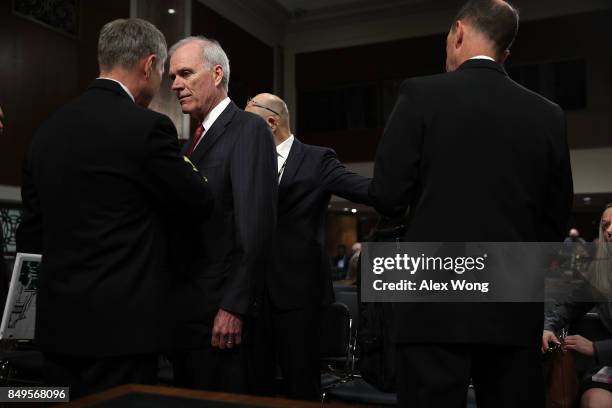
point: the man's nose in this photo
(177, 84)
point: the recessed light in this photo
(171, 11)
(354, 210)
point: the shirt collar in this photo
(125, 88)
(284, 148)
(483, 57)
(215, 113)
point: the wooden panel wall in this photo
(40, 69)
(251, 60)
(562, 38)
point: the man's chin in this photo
(186, 108)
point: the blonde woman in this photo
(595, 394)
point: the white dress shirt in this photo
(209, 120)
(483, 57)
(282, 152)
(127, 91)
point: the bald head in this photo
(274, 111)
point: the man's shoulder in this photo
(88, 110)
(544, 104)
(316, 152)
(248, 125)
(426, 81)
(248, 118)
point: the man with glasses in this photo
(300, 280)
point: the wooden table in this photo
(153, 396)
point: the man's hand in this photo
(547, 338)
(227, 330)
(579, 344)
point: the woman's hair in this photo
(601, 267)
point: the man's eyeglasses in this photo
(252, 102)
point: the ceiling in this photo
(298, 8)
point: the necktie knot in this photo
(197, 135)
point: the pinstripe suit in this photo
(228, 255)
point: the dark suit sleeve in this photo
(603, 352)
(398, 156)
(556, 212)
(29, 231)
(253, 171)
(565, 313)
(337, 179)
(171, 179)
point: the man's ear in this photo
(272, 122)
(149, 64)
(218, 74)
(459, 33)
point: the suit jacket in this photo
(301, 275)
(101, 177)
(477, 158)
(229, 253)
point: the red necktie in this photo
(197, 135)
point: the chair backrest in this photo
(335, 330)
(349, 298)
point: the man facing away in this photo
(221, 292)
(103, 177)
(300, 279)
(477, 158)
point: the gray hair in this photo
(212, 54)
(124, 42)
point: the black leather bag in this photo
(561, 382)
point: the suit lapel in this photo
(294, 160)
(214, 133)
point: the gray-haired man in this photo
(103, 177)
(231, 251)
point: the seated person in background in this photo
(340, 261)
(574, 252)
(353, 263)
(595, 394)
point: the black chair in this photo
(335, 336)
(349, 298)
(338, 330)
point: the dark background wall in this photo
(376, 69)
(251, 60)
(40, 69)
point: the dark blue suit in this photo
(227, 256)
(300, 280)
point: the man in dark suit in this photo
(300, 280)
(476, 157)
(102, 178)
(221, 293)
